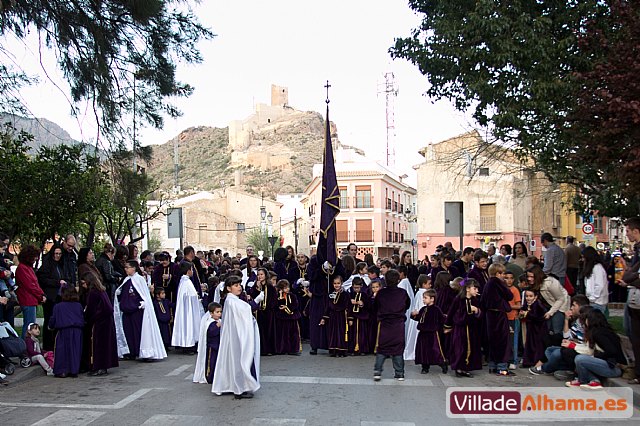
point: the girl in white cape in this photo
(424, 282)
(189, 311)
(137, 331)
(238, 365)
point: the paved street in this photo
(295, 391)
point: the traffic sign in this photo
(587, 228)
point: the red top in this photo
(29, 292)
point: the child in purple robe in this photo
(163, 309)
(359, 332)
(287, 331)
(495, 304)
(68, 320)
(533, 314)
(266, 311)
(337, 319)
(132, 307)
(463, 322)
(101, 329)
(429, 350)
(479, 271)
(374, 275)
(391, 304)
(213, 339)
(374, 288)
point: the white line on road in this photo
(69, 418)
(447, 380)
(277, 422)
(343, 381)
(5, 410)
(365, 423)
(173, 419)
(189, 377)
(179, 370)
(118, 405)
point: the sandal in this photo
(635, 381)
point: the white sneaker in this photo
(512, 367)
(377, 377)
(50, 373)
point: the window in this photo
(344, 200)
(240, 226)
(483, 171)
(364, 230)
(342, 231)
(202, 233)
(487, 217)
(598, 223)
(363, 197)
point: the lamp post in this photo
(272, 239)
(263, 214)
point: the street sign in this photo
(600, 246)
(587, 228)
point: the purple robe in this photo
(465, 352)
(444, 299)
(163, 309)
(266, 318)
(132, 316)
(359, 332)
(391, 304)
(373, 322)
(68, 320)
(295, 273)
(536, 333)
(495, 305)
(480, 275)
(429, 350)
(318, 286)
(102, 331)
(170, 286)
(213, 344)
(336, 317)
(287, 332)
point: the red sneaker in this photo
(575, 383)
(593, 385)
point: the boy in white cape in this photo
(189, 311)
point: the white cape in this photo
(189, 311)
(412, 332)
(239, 350)
(151, 344)
(406, 285)
(200, 373)
(216, 295)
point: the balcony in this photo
(389, 237)
(395, 207)
(344, 203)
(364, 236)
(488, 224)
(396, 237)
(401, 210)
(388, 203)
(362, 202)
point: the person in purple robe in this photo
(446, 292)
(391, 304)
(287, 332)
(132, 309)
(68, 320)
(374, 289)
(299, 280)
(495, 305)
(265, 315)
(281, 263)
(479, 271)
(164, 310)
(463, 322)
(336, 319)
(429, 350)
(533, 315)
(166, 275)
(359, 332)
(317, 292)
(213, 339)
(98, 313)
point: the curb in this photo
(23, 375)
(622, 383)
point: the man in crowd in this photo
(70, 260)
(554, 260)
(572, 254)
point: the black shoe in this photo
(445, 368)
(73, 376)
(460, 373)
(92, 373)
(102, 372)
(332, 354)
(313, 352)
(60, 376)
(493, 371)
(295, 353)
(244, 395)
(424, 371)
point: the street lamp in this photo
(272, 239)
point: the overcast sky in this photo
(300, 45)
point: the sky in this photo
(291, 43)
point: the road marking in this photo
(118, 405)
(365, 423)
(179, 370)
(343, 381)
(69, 418)
(447, 380)
(277, 422)
(173, 419)
(5, 410)
(189, 377)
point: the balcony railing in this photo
(488, 223)
(389, 236)
(363, 202)
(344, 203)
(364, 236)
(388, 203)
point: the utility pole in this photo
(391, 91)
(295, 230)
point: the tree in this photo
(120, 56)
(520, 66)
(260, 241)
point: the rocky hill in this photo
(44, 132)
(279, 158)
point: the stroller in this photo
(11, 346)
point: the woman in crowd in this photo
(29, 293)
(520, 255)
(552, 295)
(412, 270)
(51, 279)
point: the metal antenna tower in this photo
(391, 91)
(176, 162)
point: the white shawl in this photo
(151, 345)
(200, 373)
(412, 331)
(239, 350)
(188, 314)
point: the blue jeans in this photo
(515, 325)
(28, 316)
(397, 360)
(601, 308)
(554, 360)
(555, 324)
(591, 368)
